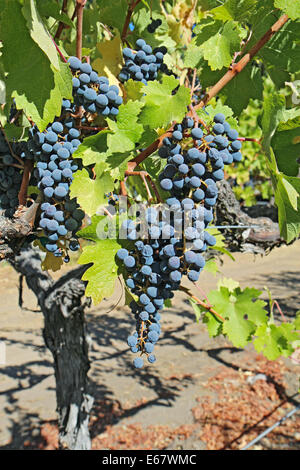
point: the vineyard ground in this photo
(201, 394)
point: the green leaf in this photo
(287, 194)
(126, 130)
(42, 87)
(255, 310)
(229, 283)
(90, 231)
(286, 146)
(211, 110)
(213, 324)
(273, 106)
(133, 90)
(238, 10)
(275, 341)
(93, 149)
(93, 198)
(192, 56)
(102, 275)
(245, 85)
(39, 33)
(211, 267)
(129, 296)
(290, 7)
(218, 50)
(51, 8)
(111, 14)
(196, 308)
(161, 107)
(236, 326)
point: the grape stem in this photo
(203, 304)
(22, 196)
(59, 51)
(279, 309)
(80, 4)
(123, 190)
(249, 139)
(144, 175)
(130, 10)
(193, 82)
(61, 25)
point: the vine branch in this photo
(80, 4)
(237, 68)
(22, 196)
(61, 25)
(203, 304)
(130, 10)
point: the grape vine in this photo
(133, 102)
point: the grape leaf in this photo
(213, 324)
(245, 85)
(287, 161)
(94, 198)
(211, 110)
(211, 267)
(219, 48)
(50, 262)
(196, 308)
(236, 326)
(102, 275)
(288, 203)
(90, 232)
(111, 60)
(290, 7)
(93, 149)
(231, 284)
(133, 90)
(192, 55)
(40, 98)
(255, 310)
(51, 8)
(274, 341)
(39, 33)
(273, 106)
(111, 14)
(126, 130)
(161, 106)
(238, 10)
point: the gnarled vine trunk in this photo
(63, 305)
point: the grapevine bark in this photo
(63, 304)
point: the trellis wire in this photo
(233, 226)
(267, 431)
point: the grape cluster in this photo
(10, 179)
(153, 275)
(176, 239)
(152, 27)
(53, 151)
(191, 171)
(93, 92)
(143, 63)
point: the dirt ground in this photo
(200, 394)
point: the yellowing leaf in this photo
(111, 62)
